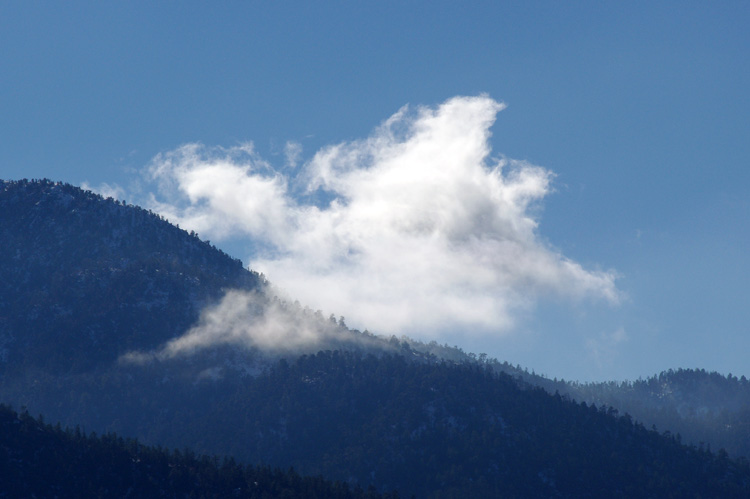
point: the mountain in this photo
(84, 279)
(96, 297)
(701, 408)
(429, 429)
(704, 408)
(461, 430)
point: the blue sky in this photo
(639, 111)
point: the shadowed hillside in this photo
(38, 460)
(84, 279)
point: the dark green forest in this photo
(705, 408)
(435, 429)
(41, 460)
(702, 408)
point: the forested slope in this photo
(85, 279)
(39, 460)
(704, 408)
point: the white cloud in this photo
(416, 229)
(224, 192)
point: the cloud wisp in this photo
(603, 348)
(416, 229)
(252, 319)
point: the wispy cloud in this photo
(255, 320)
(292, 153)
(603, 348)
(415, 229)
(106, 190)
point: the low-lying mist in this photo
(257, 320)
